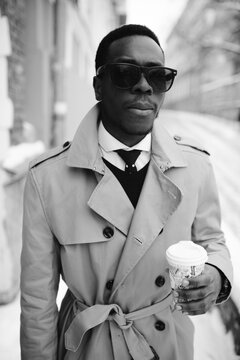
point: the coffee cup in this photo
(185, 259)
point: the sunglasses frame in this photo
(143, 70)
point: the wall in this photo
(7, 291)
(78, 35)
(14, 10)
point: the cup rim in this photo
(195, 254)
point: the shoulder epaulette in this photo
(49, 154)
(190, 143)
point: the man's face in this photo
(128, 114)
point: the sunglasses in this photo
(125, 76)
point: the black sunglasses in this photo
(125, 76)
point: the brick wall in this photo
(15, 11)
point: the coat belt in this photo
(89, 317)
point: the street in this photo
(222, 139)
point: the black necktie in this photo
(130, 158)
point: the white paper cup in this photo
(186, 259)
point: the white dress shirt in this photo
(109, 144)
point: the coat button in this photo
(177, 138)
(66, 144)
(159, 325)
(160, 281)
(109, 284)
(108, 232)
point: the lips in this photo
(140, 106)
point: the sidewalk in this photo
(9, 331)
(211, 340)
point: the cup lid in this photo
(186, 253)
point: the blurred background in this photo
(47, 52)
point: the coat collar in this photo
(85, 153)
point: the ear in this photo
(97, 84)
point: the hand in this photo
(199, 293)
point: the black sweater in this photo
(132, 184)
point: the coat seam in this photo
(54, 159)
(36, 185)
(196, 152)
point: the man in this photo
(104, 224)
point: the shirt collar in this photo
(110, 143)
(85, 151)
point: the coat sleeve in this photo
(206, 229)
(39, 279)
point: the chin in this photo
(140, 125)
(138, 130)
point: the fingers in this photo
(197, 307)
(196, 295)
(197, 282)
(193, 303)
(188, 295)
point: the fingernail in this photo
(175, 294)
(185, 283)
(178, 307)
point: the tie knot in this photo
(130, 158)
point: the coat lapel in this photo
(110, 201)
(159, 198)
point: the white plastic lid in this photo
(186, 253)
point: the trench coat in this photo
(80, 224)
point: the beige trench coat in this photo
(78, 222)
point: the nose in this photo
(142, 86)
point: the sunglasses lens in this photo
(124, 76)
(161, 78)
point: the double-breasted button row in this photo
(160, 281)
(160, 325)
(108, 232)
(109, 284)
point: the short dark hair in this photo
(118, 33)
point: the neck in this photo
(125, 138)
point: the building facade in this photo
(205, 46)
(61, 40)
(12, 81)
